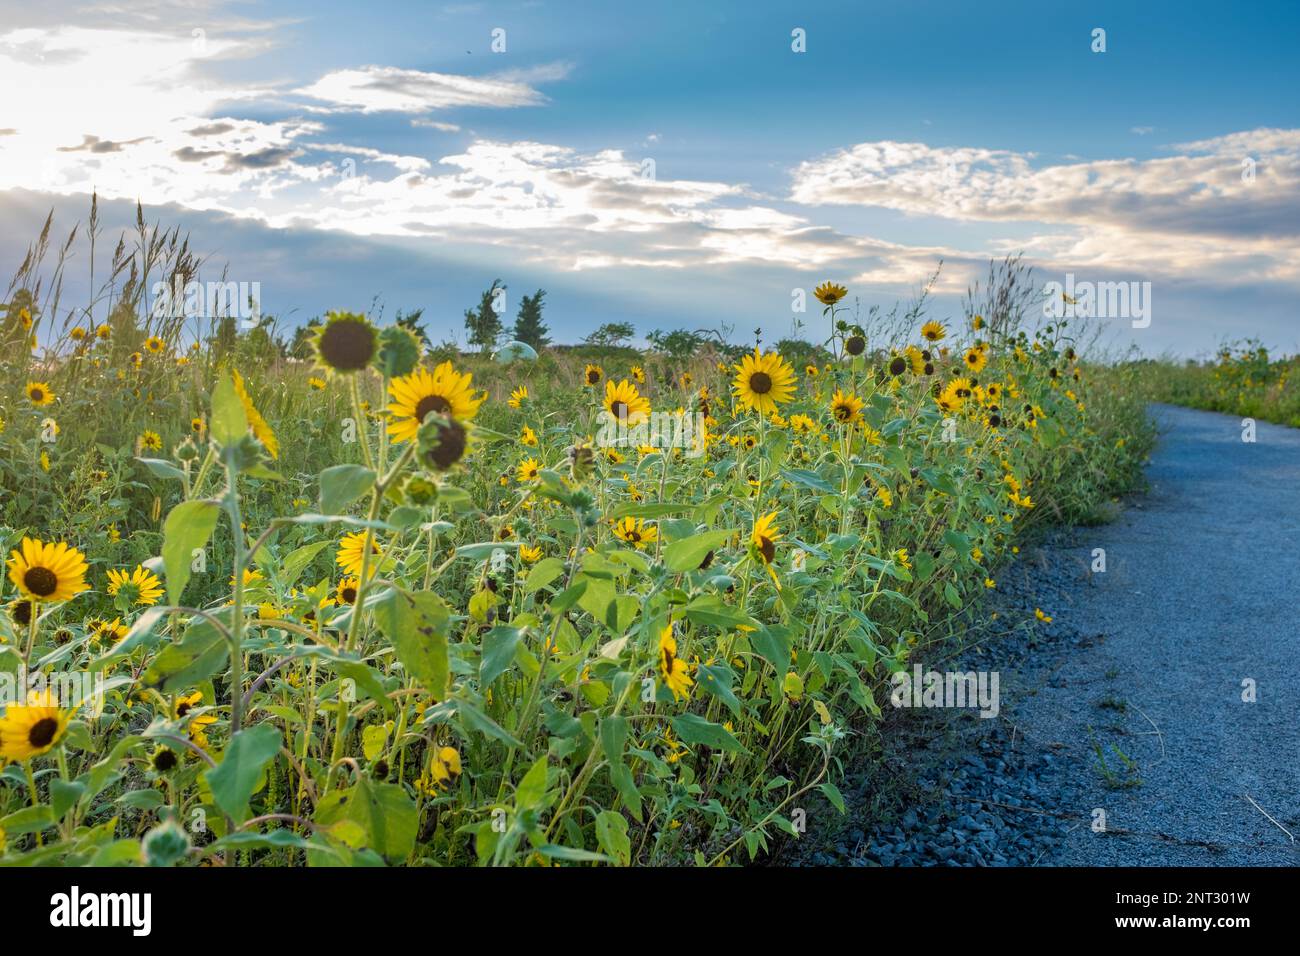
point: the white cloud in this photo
(375, 89)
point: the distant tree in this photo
(679, 343)
(411, 322)
(484, 324)
(529, 327)
(300, 346)
(611, 335)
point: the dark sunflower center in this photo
(843, 413)
(897, 366)
(593, 377)
(432, 403)
(760, 383)
(37, 395)
(347, 346)
(855, 345)
(634, 536)
(767, 548)
(450, 448)
(619, 409)
(41, 581)
(22, 612)
(164, 760)
(42, 732)
(349, 594)
(182, 709)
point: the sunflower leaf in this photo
(188, 527)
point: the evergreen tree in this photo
(529, 327)
(484, 325)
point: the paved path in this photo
(1201, 593)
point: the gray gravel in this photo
(1201, 592)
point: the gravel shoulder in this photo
(1166, 693)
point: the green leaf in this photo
(384, 815)
(809, 479)
(229, 423)
(415, 622)
(63, 794)
(532, 789)
(543, 574)
(499, 646)
(163, 469)
(189, 526)
(202, 652)
(341, 485)
(693, 729)
(686, 555)
(234, 779)
(611, 832)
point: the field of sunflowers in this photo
(388, 606)
(1242, 379)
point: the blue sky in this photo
(336, 152)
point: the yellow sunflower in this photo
(527, 471)
(530, 553)
(39, 394)
(518, 397)
(150, 441)
(672, 668)
(846, 408)
(351, 553)
(446, 392)
(635, 532)
(592, 375)
(154, 345)
(261, 430)
(762, 542)
(346, 592)
(345, 343)
(140, 586)
(763, 381)
(828, 293)
(975, 359)
(528, 437)
(623, 402)
(32, 729)
(933, 331)
(638, 374)
(103, 333)
(47, 572)
(113, 630)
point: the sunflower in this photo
(39, 394)
(975, 359)
(635, 532)
(624, 403)
(261, 430)
(350, 554)
(198, 426)
(345, 343)
(933, 331)
(154, 345)
(530, 553)
(443, 442)
(528, 470)
(762, 541)
(812, 371)
(638, 374)
(150, 441)
(141, 586)
(77, 333)
(113, 630)
(1045, 618)
(592, 375)
(103, 333)
(528, 437)
(20, 612)
(346, 592)
(518, 397)
(855, 345)
(846, 408)
(898, 364)
(828, 293)
(317, 384)
(47, 572)
(977, 322)
(763, 381)
(446, 392)
(672, 668)
(31, 729)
